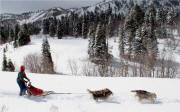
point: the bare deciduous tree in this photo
(73, 67)
(33, 63)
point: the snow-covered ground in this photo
(167, 90)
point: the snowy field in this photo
(167, 90)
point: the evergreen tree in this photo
(52, 29)
(161, 21)
(110, 27)
(121, 41)
(170, 17)
(4, 62)
(151, 38)
(79, 27)
(10, 66)
(75, 25)
(34, 28)
(75, 29)
(11, 34)
(24, 37)
(150, 16)
(60, 31)
(16, 31)
(45, 26)
(84, 27)
(3, 35)
(55, 22)
(91, 44)
(47, 63)
(138, 45)
(100, 46)
(132, 22)
(161, 16)
(66, 25)
(15, 44)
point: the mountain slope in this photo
(118, 6)
(123, 6)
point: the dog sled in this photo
(33, 91)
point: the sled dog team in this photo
(140, 94)
(98, 94)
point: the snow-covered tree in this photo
(132, 22)
(139, 48)
(161, 22)
(47, 63)
(100, 46)
(121, 40)
(150, 16)
(91, 36)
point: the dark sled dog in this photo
(145, 95)
(100, 94)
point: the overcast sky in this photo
(20, 6)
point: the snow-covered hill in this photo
(167, 90)
(64, 52)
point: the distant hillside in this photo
(117, 6)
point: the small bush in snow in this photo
(33, 63)
(4, 62)
(10, 66)
(3, 108)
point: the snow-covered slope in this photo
(64, 52)
(167, 90)
(30, 17)
(40, 15)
